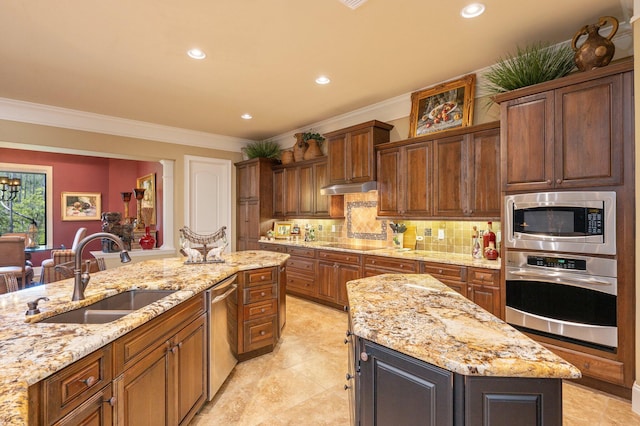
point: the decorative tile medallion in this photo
(362, 222)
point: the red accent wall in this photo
(79, 173)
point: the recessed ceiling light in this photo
(196, 54)
(323, 80)
(246, 116)
(472, 10)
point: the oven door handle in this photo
(545, 277)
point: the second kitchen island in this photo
(422, 354)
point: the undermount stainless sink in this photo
(111, 308)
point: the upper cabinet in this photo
(569, 132)
(453, 174)
(350, 151)
(296, 191)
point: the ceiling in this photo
(128, 58)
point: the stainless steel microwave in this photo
(569, 221)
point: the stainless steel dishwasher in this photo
(220, 298)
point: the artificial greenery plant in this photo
(533, 64)
(312, 135)
(262, 149)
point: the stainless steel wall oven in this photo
(567, 297)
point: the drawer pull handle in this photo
(262, 277)
(111, 401)
(263, 310)
(347, 387)
(89, 381)
(401, 266)
(262, 332)
(262, 293)
(439, 271)
(174, 350)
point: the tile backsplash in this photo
(361, 227)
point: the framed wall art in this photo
(148, 182)
(81, 205)
(282, 230)
(442, 107)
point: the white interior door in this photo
(208, 195)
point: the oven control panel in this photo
(557, 262)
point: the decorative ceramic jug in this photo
(299, 148)
(147, 242)
(313, 150)
(596, 51)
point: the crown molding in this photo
(33, 113)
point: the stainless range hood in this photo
(349, 188)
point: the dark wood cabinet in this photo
(391, 388)
(297, 191)
(334, 270)
(405, 181)
(254, 179)
(451, 175)
(351, 151)
(567, 133)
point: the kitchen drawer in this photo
(590, 365)
(302, 252)
(67, 389)
(303, 266)
(261, 276)
(258, 294)
(261, 309)
(488, 277)
(391, 264)
(272, 247)
(299, 283)
(259, 333)
(340, 257)
(444, 270)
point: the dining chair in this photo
(58, 257)
(12, 257)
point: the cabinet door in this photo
(337, 161)
(589, 133)
(247, 176)
(484, 185)
(360, 157)
(249, 225)
(450, 174)
(95, 411)
(143, 393)
(389, 182)
(527, 132)
(486, 297)
(188, 370)
(322, 202)
(327, 288)
(278, 193)
(417, 190)
(306, 190)
(291, 192)
(345, 273)
(395, 389)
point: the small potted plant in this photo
(313, 142)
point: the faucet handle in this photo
(33, 306)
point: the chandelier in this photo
(9, 188)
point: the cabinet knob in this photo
(347, 387)
(262, 310)
(262, 332)
(111, 401)
(262, 277)
(439, 271)
(558, 181)
(548, 181)
(89, 381)
(349, 376)
(262, 293)
(174, 350)
(401, 266)
(364, 356)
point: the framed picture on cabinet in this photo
(81, 206)
(442, 107)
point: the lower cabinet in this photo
(153, 375)
(377, 265)
(392, 388)
(334, 270)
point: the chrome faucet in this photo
(82, 279)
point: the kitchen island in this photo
(416, 335)
(31, 351)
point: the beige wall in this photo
(45, 138)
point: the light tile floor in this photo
(302, 381)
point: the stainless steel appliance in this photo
(220, 298)
(569, 221)
(567, 297)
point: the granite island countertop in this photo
(31, 351)
(406, 254)
(419, 316)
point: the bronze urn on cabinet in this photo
(597, 51)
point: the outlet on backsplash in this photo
(427, 232)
